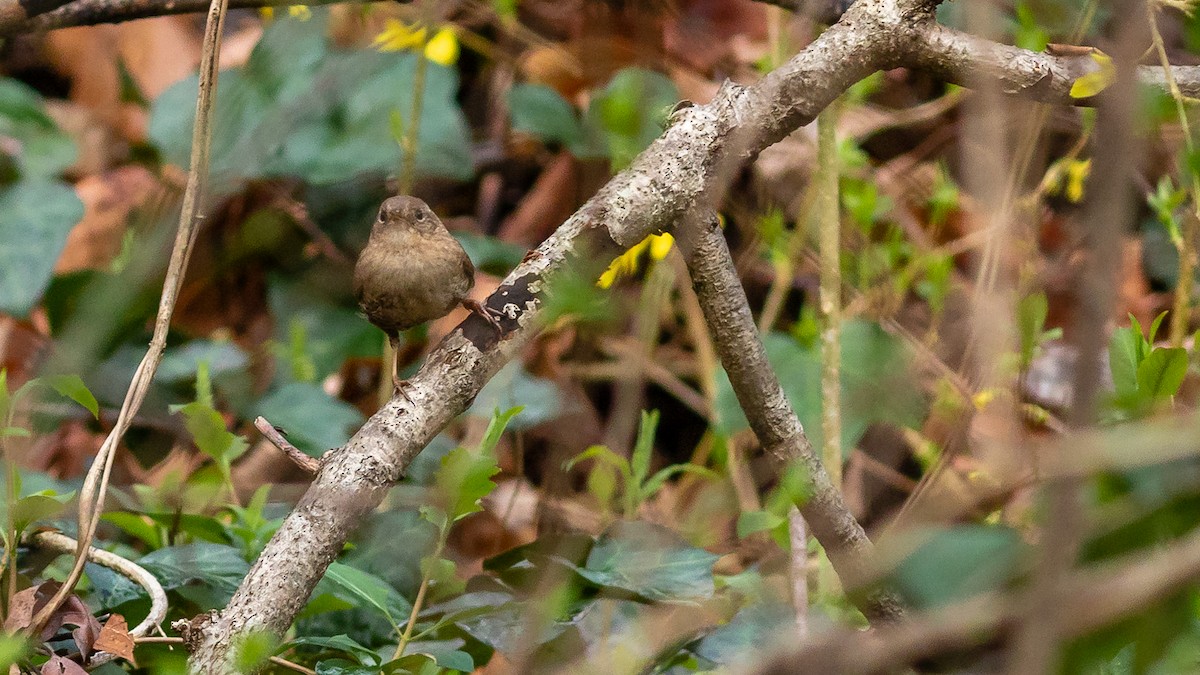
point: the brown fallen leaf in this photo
(115, 639)
(20, 609)
(58, 665)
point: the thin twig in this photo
(95, 486)
(308, 464)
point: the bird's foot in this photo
(398, 386)
(487, 313)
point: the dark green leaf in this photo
(540, 399)
(218, 568)
(649, 562)
(345, 644)
(314, 421)
(539, 111)
(179, 364)
(35, 217)
(303, 107)
(45, 151)
(365, 589)
(956, 563)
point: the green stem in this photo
(1181, 308)
(420, 599)
(830, 295)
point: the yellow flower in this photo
(1077, 173)
(398, 36)
(627, 263)
(301, 12)
(443, 47)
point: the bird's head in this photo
(405, 213)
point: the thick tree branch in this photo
(664, 182)
(767, 407)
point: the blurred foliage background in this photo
(607, 475)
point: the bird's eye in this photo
(419, 216)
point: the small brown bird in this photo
(412, 271)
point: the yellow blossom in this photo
(626, 264)
(301, 12)
(397, 36)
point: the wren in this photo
(412, 271)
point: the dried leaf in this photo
(115, 638)
(58, 665)
(20, 609)
(75, 613)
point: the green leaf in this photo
(627, 115)
(1161, 374)
(749, 522)
(540, 399)
(207, 428)
(216, 569)
(1031, 324)
(252, 649)
(72, 387)
(304, 107)
(603, 455)
(1154, 328)
(135, 525)
(181, 364)
(331, 331)
(44, 150)
(496, 427)
(660, 477)
(650, 562)
(365, 589)
(463, 480)
(539, 111)
(445, 653)
(38, 506)
(1124, 358)
(958, 562)
(643, 448)
(5, 397)
(35, 217)
(363, 655)
(314, 420)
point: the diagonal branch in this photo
(768, 410)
